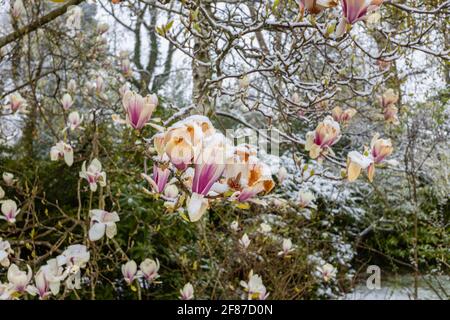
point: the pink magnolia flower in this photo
(255, 287)
(129, 271)
(103, 222)
(74, 121)
(159, 179)
(93, 174)
(138, 109)
(67, 101)
(343, 116)
(9, 211)
(62, 150)
(316, 6)
(187, 293)
(319, 142)
(149, 269)
(354, 11)
(17, 103)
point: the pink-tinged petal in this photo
(205, 176)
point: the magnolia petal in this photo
(196, 206)
(97, 231)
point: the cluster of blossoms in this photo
(148, 270)
(207, 164)
(47, 280)
(388, 101)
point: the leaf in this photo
(243, 205)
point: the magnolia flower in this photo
(259, 179)
(62, 150)
(287, 247)
(355, 162)
(354, 11)
(138, 109)
(159, 179)
(74, 121)
(316, 6)
(327, 271)
(2, 193)
(17, 103)
(129, 271)
(255, 287)
(379, 150)
(102, 222)
(6, 291)
(93, 174)
(72, 86)
(234, 226)
(5, 251)
(48, 279)
(9, 210)
(149, 269)
(126, 67)
(209, 167)
(73, 21)
(340, 115)
(391, 114)
(19, 279)
(66, 101)
(265, 227)
(319, 142)
(305, 198)
(187, 293)
(184, 139)
(390, 97)
(8, 178)
(244, 241)
(18, 9)
(75, 257)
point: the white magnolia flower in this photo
(2, 193)
(18, 9)
(171, 191)
(129, 271)
(48, 279)
(66, 101)
(103, 222)
(255, 287)
(287, 247)
(74, 121)
(75, 257)
(93, 174)
(9, 210)
(18, 278)
(62, 150)
(8, 178)
(244, 241)
(327, 271)
(234, 226)
(149, 269)
(305, 198)
(5, 251)
(187, 293)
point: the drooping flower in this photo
(8, 178)
(343, 116)
(305, 198)
(17, 103)
(244, 241)
(9, 211)
(74, 121)
(149, 269)
(255, 287)
(187, 293)
(316, 6)
(327, 271)
(5, 251)
(287, 247)
(66, 101)
(62, 150)
(18, 278)
(138, 109)
(129, 271)
(93, 174)
(159, 179)
(319, 142)
(103, 222)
